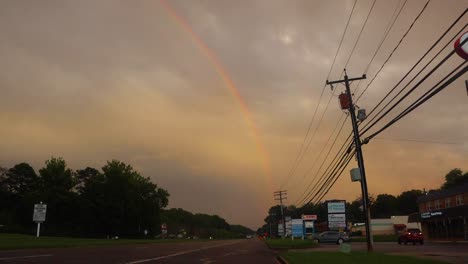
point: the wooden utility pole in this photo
(357, 143)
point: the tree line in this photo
(381, 206)
(114, 201)
(201, 225)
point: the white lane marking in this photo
(23, 257)
(181, 253)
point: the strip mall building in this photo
(444, 214)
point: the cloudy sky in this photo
(212, 99)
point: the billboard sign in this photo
(297, 227)
(309, 217)
(280, 229)
(336, 221)
(336, 207)
(39, 214)
(288, 226)
(309, 224)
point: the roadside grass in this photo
(19, 241)
(290, 244)
(377, 238)
(351, 258)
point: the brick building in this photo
(444, 214)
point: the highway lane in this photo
(226, 251)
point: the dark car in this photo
(331, 237)
(412, 235)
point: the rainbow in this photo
(234, 91)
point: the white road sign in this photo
(39, 212)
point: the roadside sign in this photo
(280, 229)
(309, 224)
(336, 221)
(336, 207)
(462, 50)
(39, 214)
(297, 227)
(309, 217)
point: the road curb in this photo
(281, 260)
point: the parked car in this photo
(413, 235)
(331, 237)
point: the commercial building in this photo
(444, 214)
(387, 226)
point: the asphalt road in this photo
(456, 253)
(230, 251)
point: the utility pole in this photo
(280, 196)
(346, 101)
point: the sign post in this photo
(39, 216)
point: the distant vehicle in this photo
(248, 236)
(331, 237)
(412, 235)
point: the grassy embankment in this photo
(351, 258)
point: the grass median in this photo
(290, 244)
(351, 258)
(19, 241)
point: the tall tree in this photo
(84, 176)
(56, 183)
(385, 205)
(21, 179)
(454, 178)
(407, 202)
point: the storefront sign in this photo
(427, 215)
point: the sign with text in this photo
(426, 215)
(336, 221)
(39, 214)
(309, 224)
(288, 226)
(297, 227)
(309, 217)
(280, 229)
(336, 207)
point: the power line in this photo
(423, 99)
(359, 36)
(419, 141)
(296, 163)
(324, 146)
(337, 176)
(396, 47)
(349, 58)
(369, 126)
(345, 147)
(387, 31)
(417, 103)
(343, 154)
(390, 25)
(326, 156)
(415, 65)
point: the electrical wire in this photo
(394, 49)
(409, 92)
(416, 64)
(422, 99)
(296, 163)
